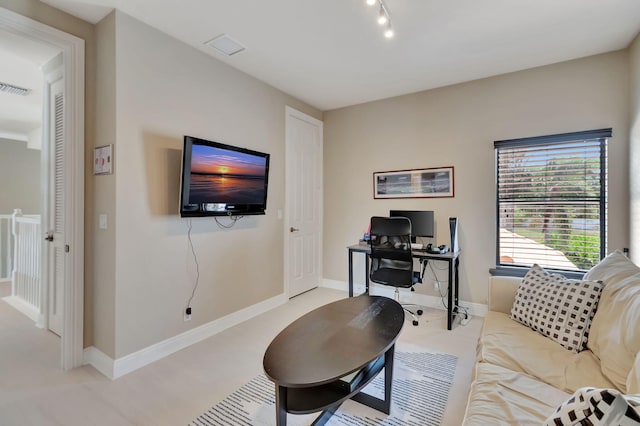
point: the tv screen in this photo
(222, 180)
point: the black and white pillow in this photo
(589, 406)
(557, 307)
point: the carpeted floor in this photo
(421, 385)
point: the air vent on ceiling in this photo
(226, 45)
(16, 90)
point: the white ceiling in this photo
(332, 53)
(21, 60)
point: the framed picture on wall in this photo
(416, 183)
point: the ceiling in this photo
(332, 53)
(21, 59)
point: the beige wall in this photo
(164, 90)
(153, 89)
(456, 126)
(20, 174)
(55, 18)
(634, 138)
(104, 188)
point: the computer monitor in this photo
(422, 224)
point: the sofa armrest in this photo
(502, 293)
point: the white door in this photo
(70, 185)
(54, 206)
(303, 225)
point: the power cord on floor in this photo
(462, 309)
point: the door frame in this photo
(72, 344)
(294, 113)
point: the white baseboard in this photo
(406, 296)
(128, 363)
(101, 362)
(25, 308)
(119, 367)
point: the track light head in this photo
(388, 33)
(382, 18)
(371, 2)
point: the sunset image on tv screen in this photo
(225, 176)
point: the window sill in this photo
(520, 271)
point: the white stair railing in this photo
(6, 248)
(25, 277)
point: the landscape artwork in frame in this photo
(417, 183)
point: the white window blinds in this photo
(551, 200)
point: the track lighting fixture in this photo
(383, 16)
(388, 33)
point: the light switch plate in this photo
(103, 160)
(103, 221)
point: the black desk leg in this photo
(454, 285)
(366, 273)
(457, 282)
(451, 306)
(281, 405)
(350, 273)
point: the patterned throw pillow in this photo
(589, 406)
(557, 307)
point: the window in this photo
(552, 200)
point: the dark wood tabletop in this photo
(333, 341)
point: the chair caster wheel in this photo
(414, 322)
(419, 312)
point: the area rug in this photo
(421, 383)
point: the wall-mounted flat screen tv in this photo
(222, 180)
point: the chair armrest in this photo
(502, 293)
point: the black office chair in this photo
(391, 257)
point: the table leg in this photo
(326, 415)
(281, 405)
(383, 405)
(350, 273)
(388, 378)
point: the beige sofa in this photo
(521, 376)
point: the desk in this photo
(452, 259)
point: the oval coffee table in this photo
(352, 337)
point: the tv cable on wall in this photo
(234, 219)
(187, 312)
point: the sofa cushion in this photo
(613, 268)
(502, 292)
(499, 396)
(511, 345)
(614, 335)
(591, 406)
(557, 307)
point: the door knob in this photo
(292, 229)
(49, 236)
